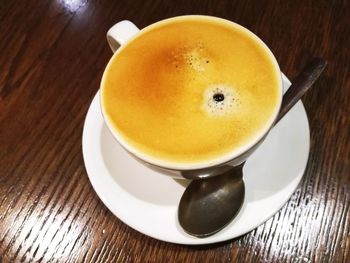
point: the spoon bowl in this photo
(204, 204)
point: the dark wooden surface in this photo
(52, 55)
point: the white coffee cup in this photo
(120, 34)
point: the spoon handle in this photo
(301, 84)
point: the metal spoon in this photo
(208, 205)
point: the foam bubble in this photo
(194, 57)
(195, 60)
(219, 100)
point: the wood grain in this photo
(52, 57)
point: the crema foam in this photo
(191, 89)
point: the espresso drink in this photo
(191, 89)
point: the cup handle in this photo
(121, 32)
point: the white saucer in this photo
(147, 201)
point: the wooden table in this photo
(52, 55)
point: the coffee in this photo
(191, 89)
